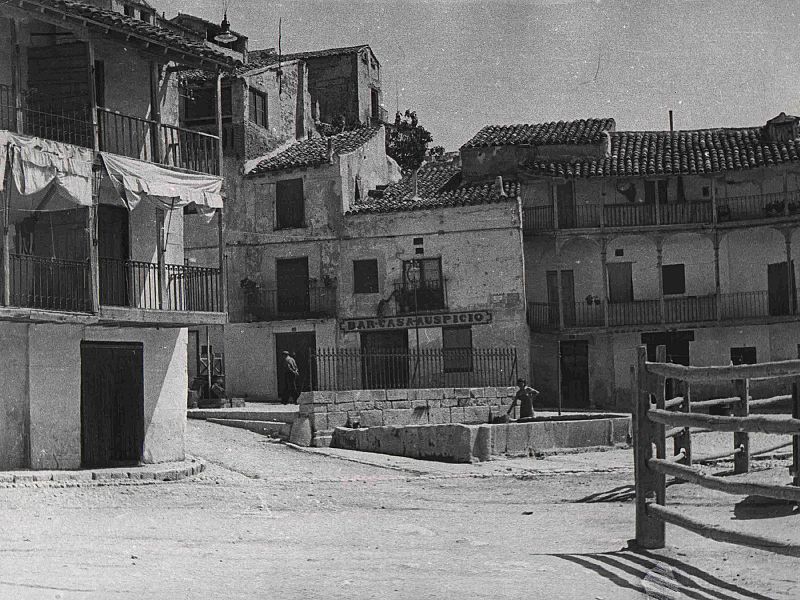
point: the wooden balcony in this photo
(742, 307)
(118, 133)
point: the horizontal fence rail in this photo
(49, 283)
(652, 464)
(342, 369)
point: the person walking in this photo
(525, 395)
(291, 376)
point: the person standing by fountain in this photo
(525, 395)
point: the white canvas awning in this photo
(136, 180)
(46, 175)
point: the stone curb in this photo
(142, 475)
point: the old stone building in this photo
(682, 238)
(321, 254)
(96, 298)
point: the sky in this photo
(463, 64)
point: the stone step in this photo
(286, 415)
(274, 429)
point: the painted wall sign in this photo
(479, 317)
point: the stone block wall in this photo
(398, 408)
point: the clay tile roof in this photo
(439, 185)
(136, 27)
(697, 152)
(582, 131)
(313, 152)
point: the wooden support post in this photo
(16, 75)
(92, 235)
(714, 215)
(220, 161)
(92, 85)
(660, 275)
(558, 285)
(223, 271)
(683, 441)
(795, 468)
(6, 261)
(604, 265)
(741, 461)
(717, 287)
(789, 270)
(156, 141)
(163, 292)
(649, 530)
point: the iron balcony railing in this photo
(49, 283)
(293, 302)
(758, 206)
(136, 284)
(537, 218)
(118, 133)
(423, 297)
(579, 216)
(337, 369)
(545, 316)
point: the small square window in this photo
(673, 279)
(745, 355)
(706, 191)
(365, 276)
(129, 11)
(457, 349)
(619, 252)
(419, 250)
(417, 241)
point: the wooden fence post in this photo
(649, 530)
(683, 441)
(741, 439)
(795, 468)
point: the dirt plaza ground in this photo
(268, 521)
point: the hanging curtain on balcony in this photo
(137, 180)
(46, 175)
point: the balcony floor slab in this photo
(123, 316)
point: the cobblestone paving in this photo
(267, 521)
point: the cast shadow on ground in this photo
(759, 507)
(659, 577)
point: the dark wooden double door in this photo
(112, 404)
(300, 345)
(574, 366)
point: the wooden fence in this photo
(678, 418)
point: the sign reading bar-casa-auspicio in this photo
(480, 317)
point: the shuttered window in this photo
(289, 204)
(258, 107)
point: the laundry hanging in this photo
(136, 180)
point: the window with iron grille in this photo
(289, 204)
(457, 349)
(258, 107)
(365, 276)
(422, 287)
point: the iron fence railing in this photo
(292, 302)
(49, 283)
(342, 369)
(191, 288)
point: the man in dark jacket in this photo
(291, 377)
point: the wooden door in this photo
(620, 282)
(568, 297)
(575, 374)
(112, 404)
(552, 298)
(299, 345)
(780, 284)
(565, 197)
(291, 275)
(385, 360)
(112, 250)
